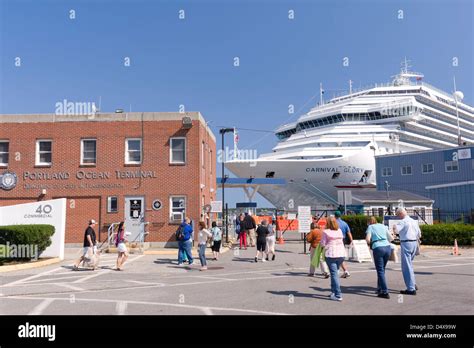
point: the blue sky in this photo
(191, 61)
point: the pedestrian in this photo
(270, 246)
(347, 240)
(122, 252)
(262, 233)
(203, 237)
(335, 252)
(216, 240)
(250, 227)
(314, 238)
(184, 236)
(410, 234)
(89, 245)
(243, 232)
(379, 238)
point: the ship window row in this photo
(404, 91)
(445, 118)
(425, 168)
(462, 114)
(439, 127)
(133, 152)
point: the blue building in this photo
(444, 175)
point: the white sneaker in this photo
(334, 298)
(203, 268)
(263, 260)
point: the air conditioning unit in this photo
(177, 217)
(187, 122)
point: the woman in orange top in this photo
(314, 237)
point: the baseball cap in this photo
(337, 214)
(92, 222)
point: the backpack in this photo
(180, 233)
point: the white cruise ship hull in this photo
(309, 182)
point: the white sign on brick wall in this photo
(52, 212)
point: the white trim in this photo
(460, 183)
(171, 151)
(422, 172)
(3, 164)
(82, 152)
(127, 161)
(37, 154)
(109, 206)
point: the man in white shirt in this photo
(409, 233)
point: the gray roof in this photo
(372, 195)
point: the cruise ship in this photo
(335, 143)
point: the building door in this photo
(134, 216)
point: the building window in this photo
(406, 170)
(178, 150)
(133, 151)
(4, 150)
(387, 171)
(44, 152)
(451, 166)
(177, 208)
(88, 151)
(112, 204)
(427, 168)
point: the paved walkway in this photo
(155, 284)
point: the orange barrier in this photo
(258, 219)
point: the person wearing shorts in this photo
(262, 233)
(216, 240)
(270, 249)
(121, 247)
(89, 245)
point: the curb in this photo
(29, 265)
(443, 247)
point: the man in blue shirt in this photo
(410, 233)
(346, 233)
(185, 244)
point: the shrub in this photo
(358, 224)
(31, 235)
(445, 234)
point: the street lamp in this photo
(222, 131)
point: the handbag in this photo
(417, 251)
(317, 256)
(393, 254)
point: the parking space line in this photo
(32, 277)
(148, 303)
(38, 310)
(69, 286)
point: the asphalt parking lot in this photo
(155, 284)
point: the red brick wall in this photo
(92, 202)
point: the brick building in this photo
(111, 167)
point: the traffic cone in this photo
(456, 249)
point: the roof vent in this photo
(187, 122)
(118, 111)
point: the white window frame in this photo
(127, 160)
(109, 204)
(387, 175)
(171, 150)
(5, 164)
(37, 153)
(82, 152)
(450, 163)
(171, 209)
(406, 166)
(427, 164)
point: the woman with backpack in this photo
(216, 240)
(121, 247)
(203, 236)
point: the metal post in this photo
(222, 177)
(304, 243)
(226, 223)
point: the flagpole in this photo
(320, 93)
(235, 144)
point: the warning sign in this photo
(361, 251)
